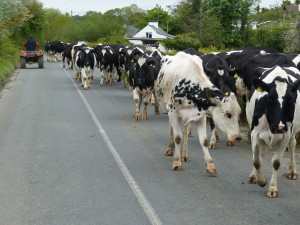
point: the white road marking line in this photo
(145, 204)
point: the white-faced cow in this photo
(85, 63)
(74, 51)
(272, 110)
(187, 93)
(142, 75)
(107, 58)
(222, 76)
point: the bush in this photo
(182, 41)
(8, 60)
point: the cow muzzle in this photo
(234, 139)
(279, 129)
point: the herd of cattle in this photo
(192, 86)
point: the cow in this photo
(238, 60)
(186, 92)
(74, 51)
(67, 55)
(105, 58)
(142, 75)
(272, 109)
(85, 63)
(193, 51)
(54, 50)
(221, 75)
(266, 61)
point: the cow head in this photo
(144, 72)
(225, 113)
(278, 102)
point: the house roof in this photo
(131, 30)
(161, 31)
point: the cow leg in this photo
(185, 147)
(273, 189)
(171, 145)
(146, 102)
(292, 173)
(63, 59)
(137, 98)
(155, 103)
(173, 119)
(258, 149)
(119, 74)
(84, 81)
(213, 137)
(201, 130)
(101, 77)
(126, 79)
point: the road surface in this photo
(70, 156)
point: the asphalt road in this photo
(75, 157)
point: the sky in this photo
(80, 7)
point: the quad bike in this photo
(31, 57)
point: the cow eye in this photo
(151, 64)
(228, 114)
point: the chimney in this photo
(154, 23)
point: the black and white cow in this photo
(193, 51)
(272, 112)
(238, 60)
(222, 76)
(142, 75)
(67, 55)
(85, 62)
(108, 59)
(54, 50)
(75, 49)
(184, 89)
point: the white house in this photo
(149, 36)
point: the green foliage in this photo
(271, 36)
(182, 41)
(8, 59)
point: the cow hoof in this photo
(184, 159)
(137, 116)
(272, 192)
(177, 166)
(292, 176)
(252, 180)
(262, 182)
(145, 117)
(212, 171)
(169, 152)
(230, 143)
(212, 145)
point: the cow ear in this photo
(259, 85)
(226, 90)
(212, 96)
(295, 85)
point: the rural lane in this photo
(70, 156)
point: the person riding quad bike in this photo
(31, 44)
(31, 55)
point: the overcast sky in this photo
(82, 6)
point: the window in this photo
(148, 35)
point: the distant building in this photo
(149, 36)
(292, 8)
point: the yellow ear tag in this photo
(132, 60)
(259, 89)
(226, 93)
(236, 76)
